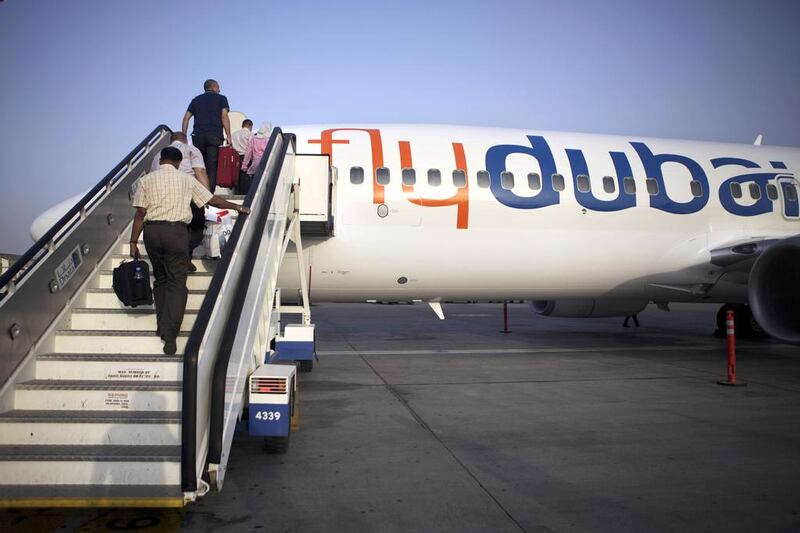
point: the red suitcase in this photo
(228, 167)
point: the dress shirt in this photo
(240, 140)
(166, 194)
(192, 158)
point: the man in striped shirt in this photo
(162, 211)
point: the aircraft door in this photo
(789, 192)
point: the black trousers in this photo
(196, 227)
(209, 146)
(167, 245)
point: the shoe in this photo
(192, 267)
(170, 347)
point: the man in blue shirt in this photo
(210, 112)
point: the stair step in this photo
(97, 395)
(46, 496)
(89, 464)
(90, 427)
(203, 265)
(116, 342)
(106, 299)
(195, 281)
(100, 366)
(126, 319)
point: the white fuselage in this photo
(531, 240)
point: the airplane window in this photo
(409, 176)
(459, 178)
(558, 182)
(507, 180)
(791, 192)
(583, 183)
(534, 181)
(629, 184)
(608, 184)
(697, 188)
(383, 176)
(434, 177)
(772, 191)
(652, 186)
(483, 179)
(736, 190)
(755, 191)
(356, 175)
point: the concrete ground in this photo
(408, 423)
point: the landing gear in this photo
(746, 324)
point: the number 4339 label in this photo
(268, 415)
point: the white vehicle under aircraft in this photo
(579, 225)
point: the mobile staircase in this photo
(92, 413)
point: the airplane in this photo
(579, 225)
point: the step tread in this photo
(91, 452)
(95, 417)
(112, 357)
(81, 492)
(192, 274)
(63, 384)
(147, 258)
(112, 333)
(111, 291)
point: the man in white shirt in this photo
(241, 138)
(192, 164)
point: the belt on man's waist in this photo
(166, 223)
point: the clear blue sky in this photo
(84, 81)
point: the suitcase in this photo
(228, 167)
(131, 282)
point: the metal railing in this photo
(247, 337)
(209, 340)
(45, 279)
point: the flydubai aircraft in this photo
(580, 225)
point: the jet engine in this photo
(587, 308)
(774, 290)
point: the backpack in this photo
(131, 282)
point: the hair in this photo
(209, 83)
(170, 153)
(177, 136)
(247, 122)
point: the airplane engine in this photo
(774, 290)
(587, 308)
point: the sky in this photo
(84, 81)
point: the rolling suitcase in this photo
(131, 282)
(228, 167)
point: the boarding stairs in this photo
(92, 413)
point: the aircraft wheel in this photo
(746, 324)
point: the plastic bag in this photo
(218, 228)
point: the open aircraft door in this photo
(317, 188)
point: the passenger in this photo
(210, 112)
(635, 318)
(192, 164)
(162, 211)
(241, 138)
(252, 156)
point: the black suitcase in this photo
(131, 283)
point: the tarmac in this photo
(409, 423)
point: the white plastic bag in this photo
(218, 228)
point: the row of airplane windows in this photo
(409, 177)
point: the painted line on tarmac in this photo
(505, 351)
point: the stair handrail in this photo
(38, 288)
(240, 324)
(47, 241)
(199, 348)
